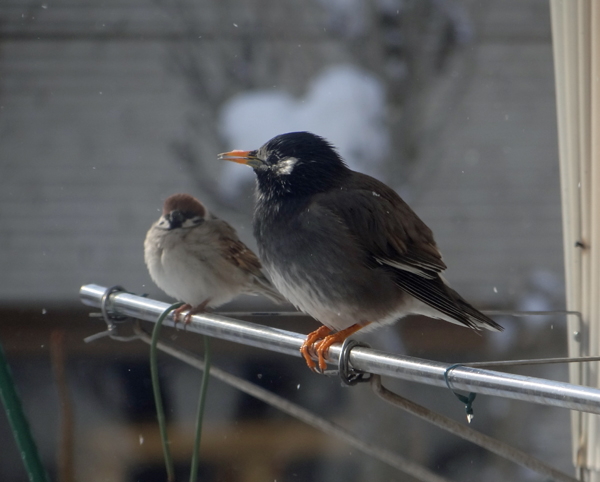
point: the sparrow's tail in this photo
(262, 286)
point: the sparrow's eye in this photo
(185, 220)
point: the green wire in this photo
(200, 414)
(18, 422)
(160, 412)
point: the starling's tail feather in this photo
(442, 301)
(475, 316)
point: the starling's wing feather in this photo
(386, 227)
(393, 237)
(238, 254)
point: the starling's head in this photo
(296, 163)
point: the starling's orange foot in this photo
(322, 348)
(312, 337)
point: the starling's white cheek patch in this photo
(285, 167)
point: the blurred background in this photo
(108, 107)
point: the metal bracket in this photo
(349, 375)
(110, 319)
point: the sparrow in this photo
(342, 246)
(197, 258)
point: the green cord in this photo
(160, 412)
(18, 422)
(200, 414)
(468, 401)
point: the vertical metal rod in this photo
(18, 422)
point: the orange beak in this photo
(241, 157)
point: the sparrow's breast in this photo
(188, 267)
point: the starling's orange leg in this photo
(201, 308)
(318, 334)
(322, 347)
(178, 311)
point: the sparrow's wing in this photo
(234, 251)
(393, 237)
(238, 254)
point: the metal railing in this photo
(477, 380)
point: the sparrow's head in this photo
(296, 163)
(182, 211)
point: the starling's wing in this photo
(238, 254)
(393, 237)
(386, 227)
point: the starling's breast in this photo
(317, 265)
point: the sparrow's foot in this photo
(322, 348)
(201, 308)
(312, 337)
(178, 311)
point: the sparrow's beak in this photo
(175, 219)
(242, 157)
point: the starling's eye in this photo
(273, 159)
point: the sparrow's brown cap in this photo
(184, 203)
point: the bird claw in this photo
(177, 314)
(309, 346)
(320, 341)
(322, 350)
(305, 351)
(187, 319)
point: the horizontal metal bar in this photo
(530, 389)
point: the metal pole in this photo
(18, 422)
(530, 389)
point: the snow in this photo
(344, 104)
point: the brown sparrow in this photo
(197, 258)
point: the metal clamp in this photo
(110, 319)
(349, 375)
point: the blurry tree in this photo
(229, 47)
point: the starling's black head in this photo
(293, 164)
(182, 211)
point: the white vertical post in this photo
(576, 38)
(583, 433)
(593, 435)
(570, 179)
